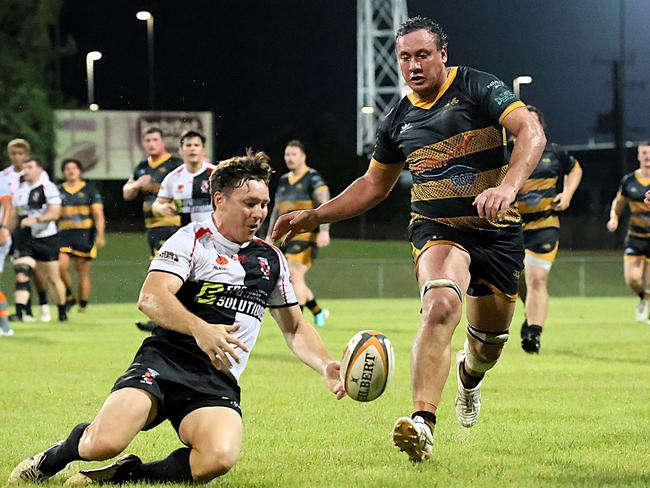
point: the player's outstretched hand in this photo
(288, 225)
(217, 342)
(493, 203)
(333, 379)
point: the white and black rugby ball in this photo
(367, 365)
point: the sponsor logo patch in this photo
(149, 376)
(167, 255)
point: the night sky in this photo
(275, 70)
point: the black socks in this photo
(59, 456)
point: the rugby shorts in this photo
(637, 246)
(541, 246)
(303, 252)
(496, 255)
(180, 380)
(78, 242)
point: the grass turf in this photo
(574, 415)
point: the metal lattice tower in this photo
(379, 83)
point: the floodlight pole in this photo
(91, 57)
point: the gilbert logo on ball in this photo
(367, 365)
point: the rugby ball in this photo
(367, 365)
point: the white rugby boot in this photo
(414, 437)
(641, 312)
(468, 401)
(46, 315)
(30, 468)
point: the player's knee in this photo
(23, 274)
(212, 463)
(440, 308)
(483, 348)
(536, 281)
(97, 445)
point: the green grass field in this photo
(576, 415)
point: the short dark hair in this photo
(418, 22)
(36, 160)
(153, 130)
(67, 161)
(645, 142)
(540, 115)
(234, 172)
(298, 144)
(191, 134)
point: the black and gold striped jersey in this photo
(535, 199)
(453, 147)
(633, 188)
(297, 193)
(77, 203)
(158, 169)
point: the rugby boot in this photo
(468, 400)
(414, 437)
(532, 341)
(30, 468)
(116, 473)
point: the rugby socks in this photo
(21, 310)
(4, 313)
(428, 417)
(58, 456)
(535, 330)
(63, 314)
(28, 306)
(174, 468)
(42, 298)
(313, 306)
(83, 303)
(468, 380)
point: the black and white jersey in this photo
(224, 283)
(14, 178)
(190, 192)
(33, 201)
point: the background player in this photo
(185, 191)
(465, 230)
(547, 191)
(5, 245)
(37, 205)
(146, 180)
(188, 371)
(631, 192)
(81, 229)
(302, 188)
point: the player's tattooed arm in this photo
(307, 345)
(158, 301)
(615, 212)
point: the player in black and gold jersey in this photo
(146, 179)
(631, 193)
(81, 230)
(303, 188)
(547, 192)
(465, 229)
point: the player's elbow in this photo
(147, 302)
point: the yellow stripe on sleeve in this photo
(510, 108)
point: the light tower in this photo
(379, 83)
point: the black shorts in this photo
(497, 256)
(157, 236)
(542, 243)
(180, 380)
(637, 246)
(78, 242)
(303, 252)
(42, 249)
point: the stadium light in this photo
(91, 57)
(93, 107)
(520, 80)
(367, 110)
(148, 17)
